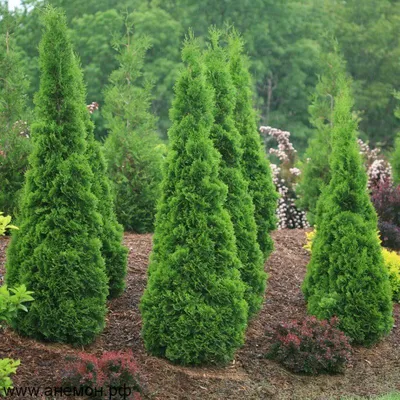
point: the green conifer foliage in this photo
(346, 276)
(133, 149)
(14, 145)
(110, 231)
(193, 308)
(255, 164)
(56, 252)
(239, 203)
(316, 171)
(396, 161)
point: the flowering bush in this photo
(286, 177)
(379, 170)
(111, 371)
(310, 346)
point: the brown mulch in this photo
(251, 376)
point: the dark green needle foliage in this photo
(193, 308)
(346, 276)
(316, 171)
(255, 165)
(56, 253)
(110, 231)
(239, 203)
(15, 146)
(133, 149)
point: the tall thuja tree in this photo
(239, 203)
(133, 150)
(110, 231)
(255, 165)
(193, 308)
(15, 146)
(56, 253)
(316, 171)
(346, 276)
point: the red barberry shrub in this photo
(310, 346)
(114, 374)
(386, 200)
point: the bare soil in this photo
(372, 371)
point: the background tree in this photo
(239, 202)
(315, 170)
(133, 150)
(193, 308)
(14, 116)
(56, 252)
(110, 231)
(346, 276)
(255, 165)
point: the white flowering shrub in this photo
(378, 169)
(286, 176)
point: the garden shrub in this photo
(286, 177)
(7, 368)
(133, 149)
(116, 373)
(5, 224)
(346, 276)
(239, 203)
(193, 308)
(255, 164)
(392, 262)
(12, 300)
(310, 346)
(386, 200)
(56, 252)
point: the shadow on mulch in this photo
(250, 376)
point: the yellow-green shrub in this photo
(392, 262)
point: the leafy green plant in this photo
(12, 300)
(7, 368)
(5, 224)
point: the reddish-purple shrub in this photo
(310, 346)
(113, 372)
(386, 200)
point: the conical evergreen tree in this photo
(255, 164)
(133, 149)
(316, 171)
(56, 252)
(110, 231)
(239, 203)
(346, 276)
(14, 145)
(193, 309)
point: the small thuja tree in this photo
(346, 276)
(56, 251)
(193, 308)
(133, 150)
(315, 170)
(239, 202)
(110, 231)
(255, 165)
(15, 146)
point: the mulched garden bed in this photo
(251, 376)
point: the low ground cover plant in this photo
(114, 374)
(310, 346)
